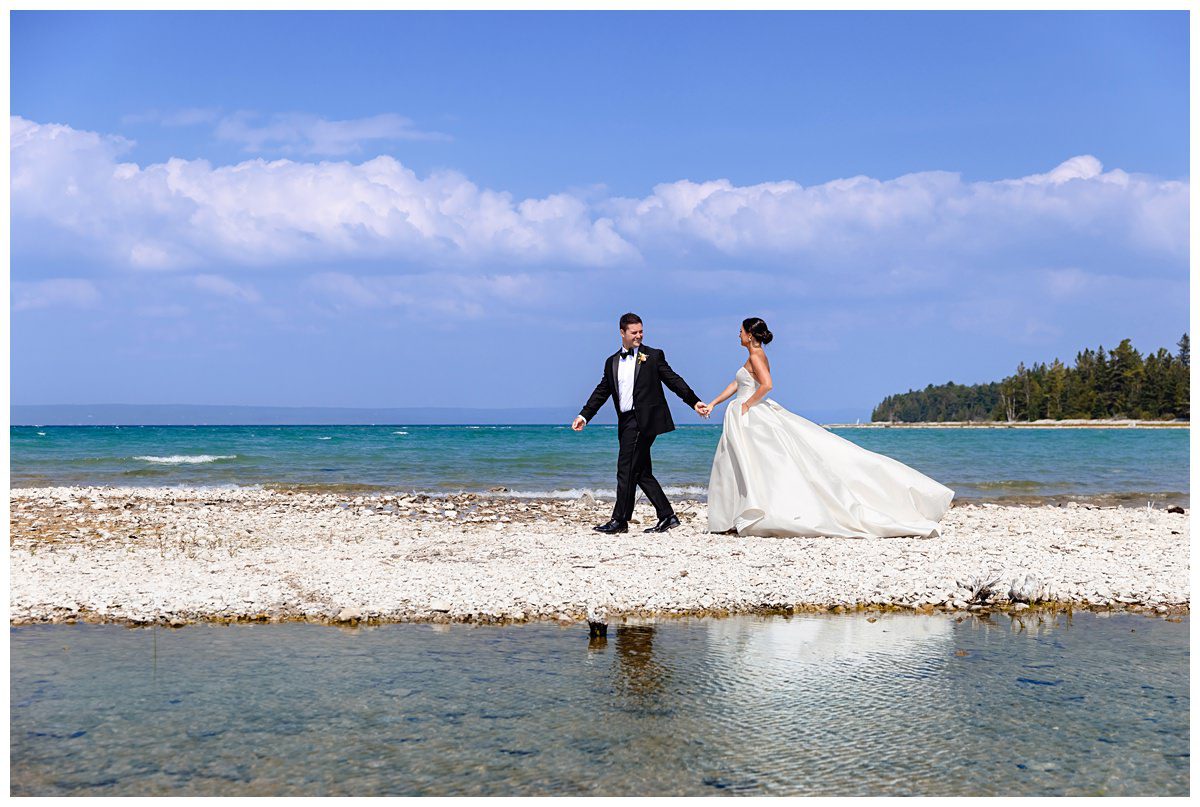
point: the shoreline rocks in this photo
(1079, 423)
(172, 556)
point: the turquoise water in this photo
(1127, 464)
(807, 705)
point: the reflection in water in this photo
(779, 643)
(805, 705)
(638, 675)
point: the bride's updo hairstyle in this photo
(758, 329)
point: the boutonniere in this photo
(641, 356)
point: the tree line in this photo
(1118, 383)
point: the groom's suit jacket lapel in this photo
(614, 362)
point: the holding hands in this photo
(706, 409)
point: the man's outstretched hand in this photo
(579, 423)
(702, 409)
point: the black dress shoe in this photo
(664, 524)
(614, 525)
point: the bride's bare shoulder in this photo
(757, 359)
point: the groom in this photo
(634, 376)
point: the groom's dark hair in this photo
(630, 319)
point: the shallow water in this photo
(834, 705)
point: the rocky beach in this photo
(178, 555)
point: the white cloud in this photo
(57, 292)
(309, 134)
(1083, 167)
(188, 213)
(932, 213)
(915, 231)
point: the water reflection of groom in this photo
(638, 673)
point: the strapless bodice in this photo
(746, 384)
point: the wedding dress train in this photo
(776, 473)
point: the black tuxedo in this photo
(649, 402)
(638, 427)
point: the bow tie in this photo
(625, 353)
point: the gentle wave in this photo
(180, 459)
(1008, 484)
(683, 490)
(571, 493)
(399, 432)
(324, 438)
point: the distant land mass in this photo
(215, 415)
(1104, 384)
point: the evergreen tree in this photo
(1149, 403)
(1036, 397)
(1102, 384)
(1127, 376)
(1080, 385)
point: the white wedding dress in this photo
(776, 473)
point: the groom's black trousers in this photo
(634, 471)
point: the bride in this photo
(776, 473)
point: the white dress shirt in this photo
(625, 368)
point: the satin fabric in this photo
(778, 474)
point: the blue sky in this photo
(420, 209)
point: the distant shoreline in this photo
(1002, 424)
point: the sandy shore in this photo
(179, 555)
